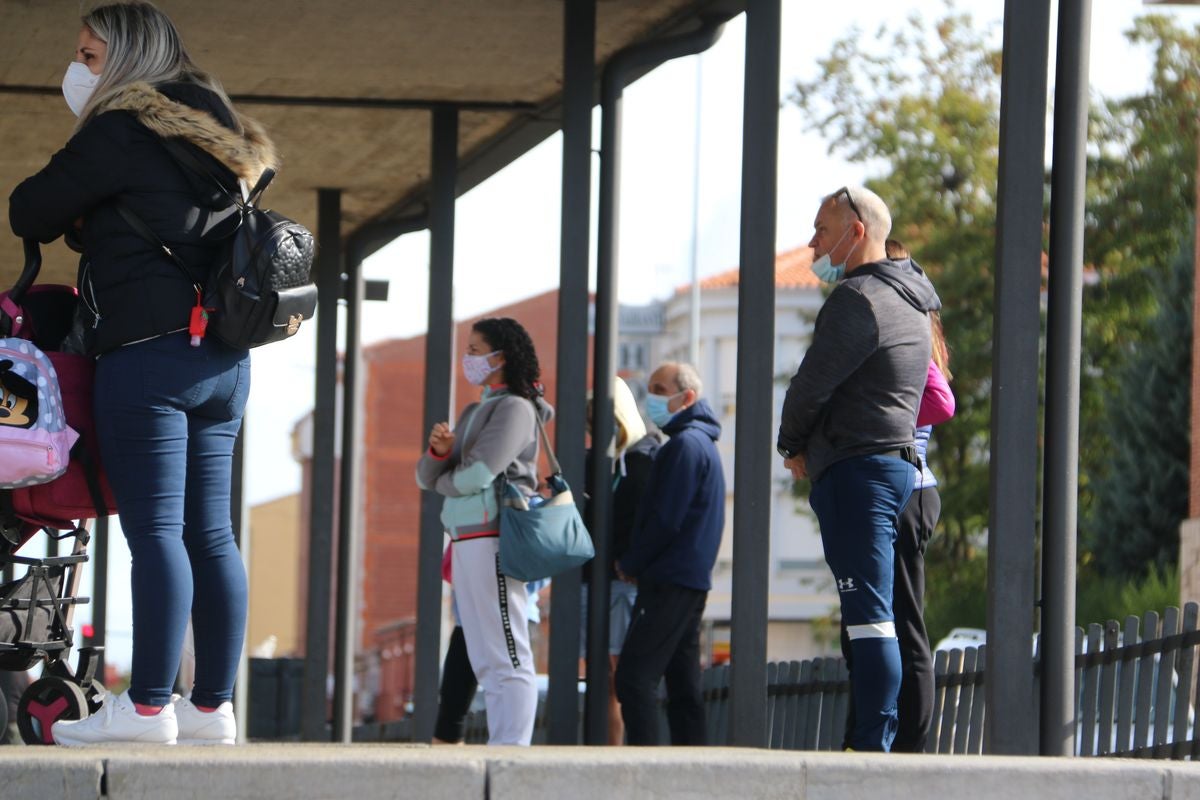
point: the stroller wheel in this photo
(94, 692)
(46, 701)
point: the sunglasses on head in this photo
(845, 191)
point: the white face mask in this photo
(476, 369)
(78, 85)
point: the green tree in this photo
(1134, 423)
(924, 102)
(1142, 497)
(1141, 190)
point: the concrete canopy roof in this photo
(345, 89)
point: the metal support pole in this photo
(99, 591)
(349, 488)
(439, 340)
(1009, 728)
(579, 48)
(321, 521)
(617, 75)
(1060, 483)
(241, 536)
(694, 250)
(755, 373)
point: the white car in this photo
(962, 638)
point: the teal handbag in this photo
(541, 537)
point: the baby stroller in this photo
(36, 609)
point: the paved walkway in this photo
(365, 772)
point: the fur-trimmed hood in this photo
(247, 154)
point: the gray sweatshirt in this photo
(496, 435)
(859, 385)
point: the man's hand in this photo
(441, 439)
(621, 575)
(796, 465)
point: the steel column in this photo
(617, 75)
(579, 48)
(755, 376)
(349, 494)
(321, 481)
(439, 341)
(1013, 482)
(239, 518)
(99, 547)
(1060, 482)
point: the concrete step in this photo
(369, 771)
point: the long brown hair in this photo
(941, 353)
(896, 250)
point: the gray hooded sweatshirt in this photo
(496, 435)
(859, 385)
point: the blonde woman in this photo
(168, 403)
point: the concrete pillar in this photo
(1189, 561)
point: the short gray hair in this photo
(688, 378)
(871, 210)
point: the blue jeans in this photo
(167, 415)
(857, 502)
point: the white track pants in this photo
(492, 609)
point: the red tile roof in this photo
(793, 270)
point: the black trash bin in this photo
(275, 698)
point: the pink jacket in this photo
(937, 402)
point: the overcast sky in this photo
(507, 243)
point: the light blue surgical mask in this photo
(656, 408)
(826, 270)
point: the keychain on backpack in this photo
(198, 324)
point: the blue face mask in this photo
(826, 270)
(656, 408)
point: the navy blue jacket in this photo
(682, 515)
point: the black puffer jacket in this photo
(132, 289)
(627, 496)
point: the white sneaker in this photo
(118, 721)
(204, 727)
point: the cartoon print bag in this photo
(35, 441)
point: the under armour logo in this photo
(846, 585)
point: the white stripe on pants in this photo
(494, 622)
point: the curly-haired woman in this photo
(498, 436)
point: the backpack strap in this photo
(147, 233)
(187, 159)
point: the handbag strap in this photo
(555, 467)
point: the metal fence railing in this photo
(1135, 695)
